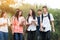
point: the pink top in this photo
(15, 25)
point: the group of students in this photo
(38, 27)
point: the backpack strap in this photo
(48, 17)
(42, 17)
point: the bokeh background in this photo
(10, 7)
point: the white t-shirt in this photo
(4, 28)
(46, 21)
(32, 27)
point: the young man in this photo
(45, 20)
(38, 17)
(39, 11)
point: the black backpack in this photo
(48, 17)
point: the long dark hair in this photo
(3, 12)
(33, 14)
(17, 13)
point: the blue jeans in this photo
(18, 36)
(3, 36)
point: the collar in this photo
(45, 13)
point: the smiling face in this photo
(44, 9)
(4, 14)
(30, 12)
(20, 13)
(39, 12)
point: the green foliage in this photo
(56, 14)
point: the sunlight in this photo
(50, 3)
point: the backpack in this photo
(48, 17)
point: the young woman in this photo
(4, 22)
(17, 25)
(32, 22)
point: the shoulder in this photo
(14, 18)
(35, 18)
(51, 16)
(22, 17)
(50, 13)
(1, 18)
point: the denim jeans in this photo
(3, 36)
(18, 36)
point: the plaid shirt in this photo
(15, 26)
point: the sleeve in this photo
(52, 18)
(1, 21)
(13, 21)
(40, 18)
(36, 21)
(23, 19)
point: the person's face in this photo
(39, 12)
(44, 10)
(17, 9)
(20, 13)
(5, 14)
(30, 12)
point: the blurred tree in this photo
(5, 5)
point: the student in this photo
(32, 21)
(4, 23)
(45, 19)
(39, 11)
(38, 17)
(18, 23)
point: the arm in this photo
(41, 23)
(53, 26)
(52, 22)
(1, 25)
(35, 21)
(41, 27)
(22, 22)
